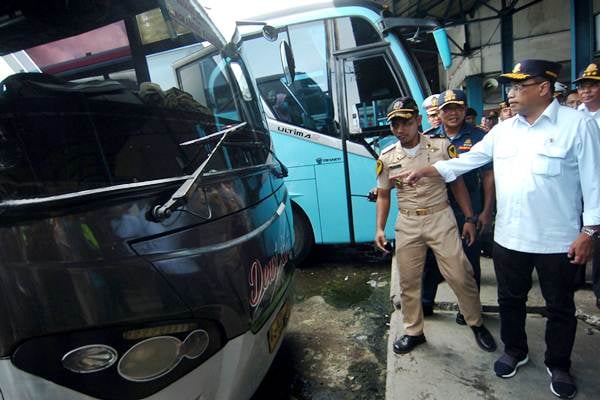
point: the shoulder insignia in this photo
(388, 148)
(433, 133)
(378, 167)
(452, 153)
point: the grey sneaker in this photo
(562, 383)
(507, 365)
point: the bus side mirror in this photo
(441, 40)
(287, 63)
(270, 33)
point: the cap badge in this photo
(591, 70)
(434, 102)
(450, 95)
(398, 105)
(517, 68)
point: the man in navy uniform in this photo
(452, 105)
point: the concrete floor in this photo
(451, 366)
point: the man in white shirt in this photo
(544, 164)
(588, 88)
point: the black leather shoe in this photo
(484, 338)
(427, 309)
(460, 319)
(406, 343)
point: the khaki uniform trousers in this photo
(438, 231)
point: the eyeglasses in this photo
(517, 87)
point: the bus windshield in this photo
(60, 136)
(344, 60)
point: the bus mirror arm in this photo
(163, 211)
(284, 169)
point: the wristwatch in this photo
(472, 219)
(591, 232)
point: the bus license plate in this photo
(279, 323)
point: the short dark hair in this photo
(471, 111)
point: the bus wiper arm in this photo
(160, 212)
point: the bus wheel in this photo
(303, 235)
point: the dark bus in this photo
(145, 232)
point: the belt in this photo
(424, 211)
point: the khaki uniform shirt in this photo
(428, 192)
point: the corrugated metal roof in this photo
(444, 10)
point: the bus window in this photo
(370, 88)
(351, 32)
(69, 137)
(208, 84)
(307, 102)
(205, 79)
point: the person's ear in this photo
(419, 119)
(546, 88)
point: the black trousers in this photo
(596, 269)
(557, 281)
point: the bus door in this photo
(323, 120)
(367, 85)
(301, 117)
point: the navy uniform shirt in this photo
(463, 141)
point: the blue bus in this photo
(329, 124)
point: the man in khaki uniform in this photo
(425, 220)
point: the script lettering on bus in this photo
(262, 276)
(292, 131)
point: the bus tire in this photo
(303, 235)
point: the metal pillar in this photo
(475, 93)
(582, 39)
(137, 51)
(506, 40)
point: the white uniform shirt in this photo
(542, 171)
(595, 115)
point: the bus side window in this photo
(352, 32)
(370, 88)
(307, 102)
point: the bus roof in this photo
(225, 12)
(28, 23)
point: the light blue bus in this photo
(328, 125)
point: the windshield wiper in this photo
(161, 212)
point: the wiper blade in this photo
(161, 212)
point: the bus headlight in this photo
(157, 356)
(90, 358)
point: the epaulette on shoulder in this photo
(388, 148)
(434, 133)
